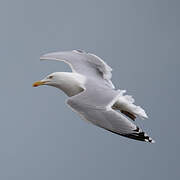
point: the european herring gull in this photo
(92, 94)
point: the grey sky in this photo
(40, 137)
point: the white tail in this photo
(126, 106)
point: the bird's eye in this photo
(50, 77)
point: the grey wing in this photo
(96, 96)
(105, 117)
(116, 123)
(84, 63)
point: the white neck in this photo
(70, 83)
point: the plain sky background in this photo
(40, 137)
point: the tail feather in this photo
(126, 106)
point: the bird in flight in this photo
(92, 94)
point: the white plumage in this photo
(93, 95)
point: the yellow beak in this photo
(38, 83)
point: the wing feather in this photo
(84, 63)
(110, 120)
(100, 113)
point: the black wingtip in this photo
(137, 135)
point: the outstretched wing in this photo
(84, 63)
(99, 112)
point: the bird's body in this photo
(92, 94)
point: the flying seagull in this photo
(92, 94)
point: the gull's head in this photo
(70, 83)
(53, 79)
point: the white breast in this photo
(71, 83)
